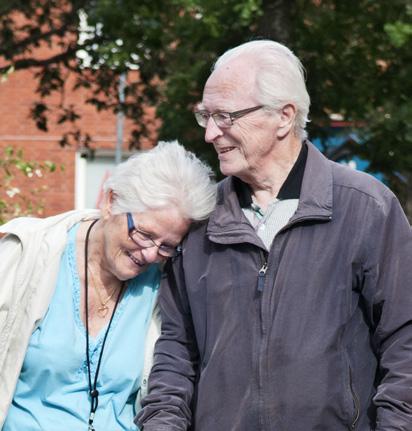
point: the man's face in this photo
(244, 147)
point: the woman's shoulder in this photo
(24, 226)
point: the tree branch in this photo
(36, 38)
(26, 63)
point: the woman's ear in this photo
(286, 120)
(107, 203)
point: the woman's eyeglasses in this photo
(144, 240)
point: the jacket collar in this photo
(228, 224)
(290, 188)
(316, 199)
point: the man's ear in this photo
(287, 117)
(107, 204)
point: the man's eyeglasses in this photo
(144, 240)
(223, 120)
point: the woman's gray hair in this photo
(280, 78)
(165, 176)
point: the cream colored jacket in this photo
(29, 263)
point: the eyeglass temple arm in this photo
(130, 224)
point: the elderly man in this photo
(291, 309)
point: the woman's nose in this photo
(151, 255)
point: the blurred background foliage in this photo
(357, 55)
(18, 172)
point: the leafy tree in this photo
(357, 55)
(114, 36)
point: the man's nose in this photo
(212, 131)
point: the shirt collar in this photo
(290, 188)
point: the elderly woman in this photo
(78, 291)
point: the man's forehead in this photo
(218, 93)
(227, 86)
(231, 75)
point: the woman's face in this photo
(122, 256)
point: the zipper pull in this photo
(261, 277)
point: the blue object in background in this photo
(336, 137)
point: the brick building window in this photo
(92, 169)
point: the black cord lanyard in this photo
(93, 392)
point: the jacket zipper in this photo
(262, 271)
(260, 287)
(355, 401)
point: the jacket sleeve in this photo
(10, 253)
(388, 283)
(171, 382)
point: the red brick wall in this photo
(17, 95)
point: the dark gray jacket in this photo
(322, 341)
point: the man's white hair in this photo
(163, 177)
(279, 79)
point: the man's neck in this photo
(268, 180)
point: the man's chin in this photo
(230, 170)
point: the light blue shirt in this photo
(52, 390)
